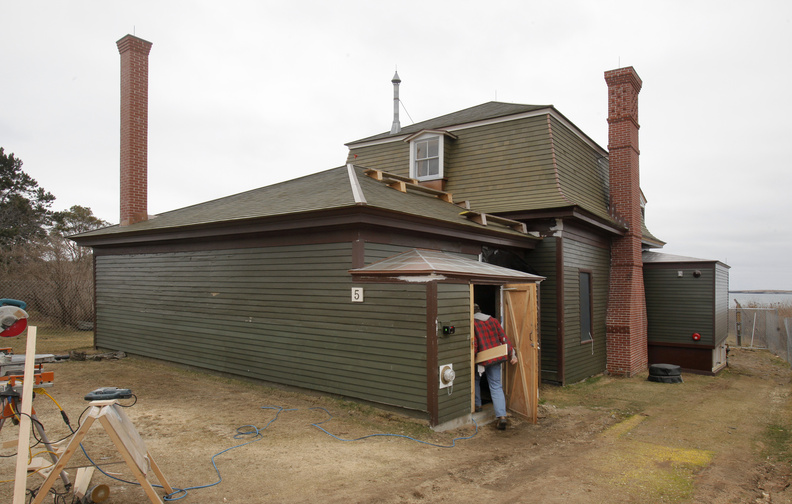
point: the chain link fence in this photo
(761, 328)
(57, 288)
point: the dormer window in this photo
(427, 158)
(426, 154)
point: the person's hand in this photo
(514, 359)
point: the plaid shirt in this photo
(489, 334)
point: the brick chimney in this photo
(134, 129)
(626, 332)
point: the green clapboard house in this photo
(360, 280)
(528, 163)
(271, 284)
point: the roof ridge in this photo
(357, 189)
(428, 263)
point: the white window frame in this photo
(440, 155)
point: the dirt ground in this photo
(723, 439)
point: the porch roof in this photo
(427, 265)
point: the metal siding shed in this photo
(686, 296)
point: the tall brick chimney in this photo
(134, 129)
(626, 332)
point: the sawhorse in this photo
(126, 439)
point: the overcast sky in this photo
(243, 94)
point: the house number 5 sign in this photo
(357, 294)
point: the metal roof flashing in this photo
(425, 265)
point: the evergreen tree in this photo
(24, 206)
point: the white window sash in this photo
(423, 141)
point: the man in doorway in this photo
(491, 337)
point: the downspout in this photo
(561, 329)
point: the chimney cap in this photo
(623, 75)
(133, 43)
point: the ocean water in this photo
(760, 298)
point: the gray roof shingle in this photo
(489, 110)
(326, 190)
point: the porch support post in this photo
(432, 372)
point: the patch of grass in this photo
(621, 397)
(779, 362)
(777, 440)
(51, 340)
(593, 379)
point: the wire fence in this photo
(762, 328)
(58, 291)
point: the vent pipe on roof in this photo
(395, 127)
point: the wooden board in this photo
(82, 480)
(119, 424)
(24, 421)
(522, 380)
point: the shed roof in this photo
(434, 264)
(663, 258)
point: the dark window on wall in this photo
(585, 307)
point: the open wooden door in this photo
(521, 325)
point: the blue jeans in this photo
(493, 373)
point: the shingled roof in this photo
(483, 112)
(334, 190)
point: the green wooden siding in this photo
(499, 167)
(393, 157)
(453, 306)
(677, 307)
(579, 360)
(582, 171)
(543, 260)
(510, 166)
(503, 167)
(280, 314)
(721, 303)
(377, 251)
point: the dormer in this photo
(427, 154)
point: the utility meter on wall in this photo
(447, 375)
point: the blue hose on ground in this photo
(252, 430)
(180, 493)
(453, 441)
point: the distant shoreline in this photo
(760, 292)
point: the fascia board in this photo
(429, 132)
